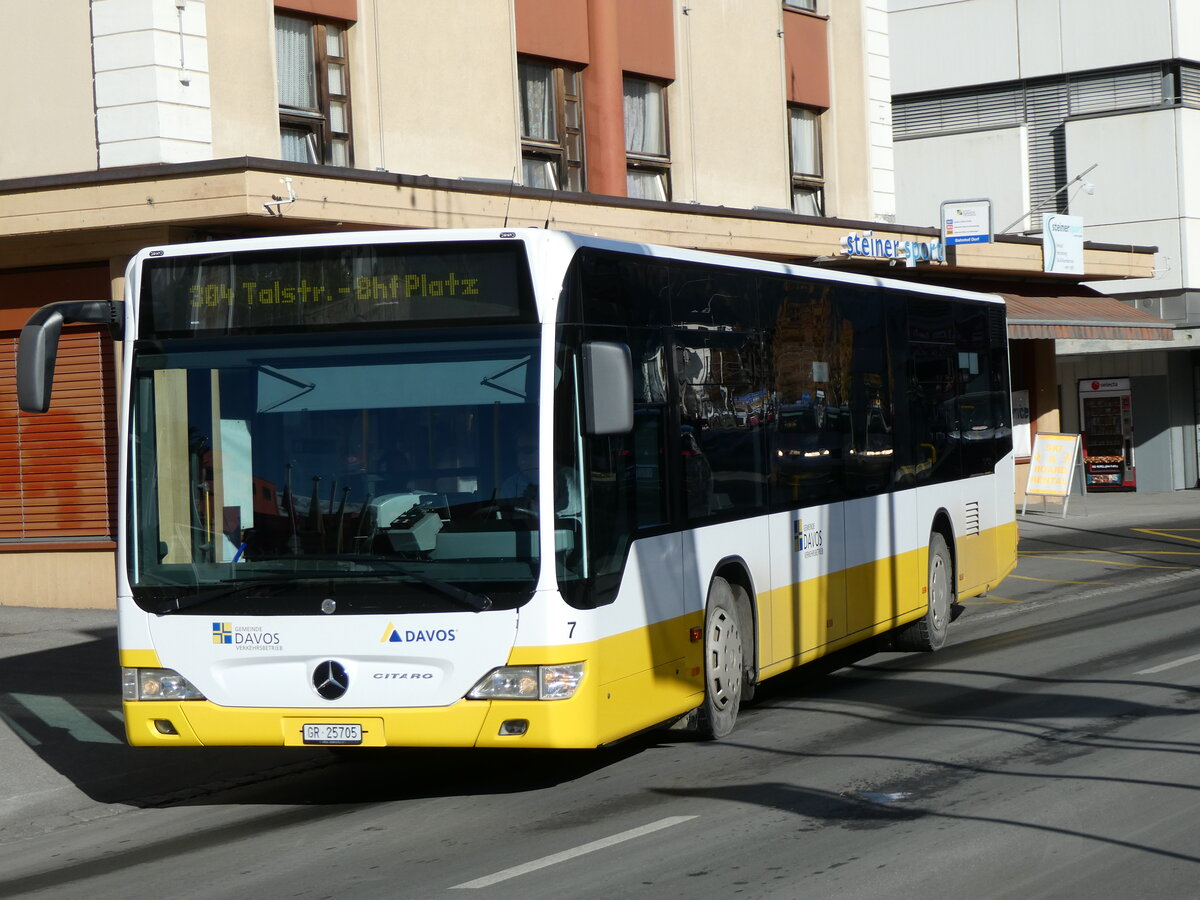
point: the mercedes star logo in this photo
(330, 680)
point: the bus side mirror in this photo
(38, 346)
(607, 388)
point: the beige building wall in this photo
(418, 110)
(728, 106)
(241, 59)
(46, 69)
(848, 137)
(435, 88)
(59, 580)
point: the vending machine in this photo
(1106, 420)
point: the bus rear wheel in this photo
(723, 662)
(929, 632)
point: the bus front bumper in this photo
(467, 723)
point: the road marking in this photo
(1113, 562)
(19, 731)
(1173, 533)
(1058, 554)
(1054, 552)
(1170, 665)
(1055, 580)
(565, 855)
(58, 713)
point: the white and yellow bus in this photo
(331, 529)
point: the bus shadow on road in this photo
(64, 706)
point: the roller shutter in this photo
(58, 469)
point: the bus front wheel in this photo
(929, 631)
(723, 662)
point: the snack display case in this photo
(1106, 420)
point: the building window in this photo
(806, 5)
(314, 91)
(808, 185)
(648, 163)
(551, 125)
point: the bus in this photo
(332, 529)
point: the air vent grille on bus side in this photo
(971, 514)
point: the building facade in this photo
(1079, 107)
(757, 127)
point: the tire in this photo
(928, 633)
(724, 663)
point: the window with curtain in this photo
(551, 125)
(808, 184)
(313, 72)
(648, 162)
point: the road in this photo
(1050, 749)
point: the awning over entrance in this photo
(1094, 317)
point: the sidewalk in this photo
(1105, 511)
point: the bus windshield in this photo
(379, 472)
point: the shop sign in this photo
(872, 246)
(1062, 244)
(1088, 385)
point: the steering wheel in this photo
(505, 510)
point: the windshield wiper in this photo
(468, 599)
(166, 607)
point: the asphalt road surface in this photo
(1052, 749)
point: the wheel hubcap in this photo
(724, 660)
(939, 592)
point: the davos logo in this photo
(810, 539)
(394, 635)
(244, 636)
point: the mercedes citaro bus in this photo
(525, 488)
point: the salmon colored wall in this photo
(558, 29)
(555, 29)
(346, 10)
(604, 102)
(806, 53)
(647, 32)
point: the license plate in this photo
(333, 734)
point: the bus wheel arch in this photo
(928, 633)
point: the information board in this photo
(966, 222)
(1052, 464)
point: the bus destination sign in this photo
(298, 288)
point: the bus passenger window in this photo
(650, 499)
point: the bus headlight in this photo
(157, 684)
(529, 683)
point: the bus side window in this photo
(649, 445)
(933, 390)
(805, 350)
(867, 410)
